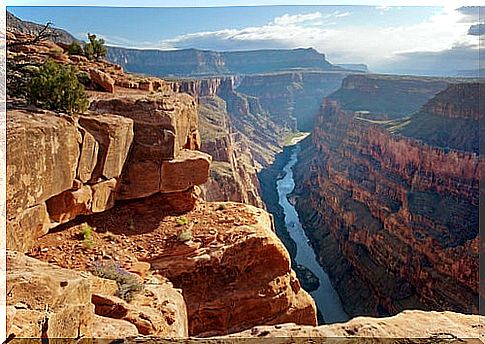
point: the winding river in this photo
(326, 298)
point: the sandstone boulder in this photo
(163, 123)
(27, 227)
(69, 204)
(43, 152)
(114, 135)
(56, 301)
(109, 328)
(189, 168)
(103, 195)
(86, 200)
(159, 310)
(103, 80)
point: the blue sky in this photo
(377, 35)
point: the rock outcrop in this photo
(119, 184)
(62, 167)
(46, 301)
(427, 327)
(393, 220)
(233, 270)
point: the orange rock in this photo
(103, 80)
(239, 284)
(188, 169)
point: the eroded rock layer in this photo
(393, 220)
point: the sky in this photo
(386, 38)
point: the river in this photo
(326, 298)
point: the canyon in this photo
(145, 216)
(116, 190)
(392, 211)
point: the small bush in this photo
(128, 284)
(182, 221)
(75, 49)
(131, 224)
(95, 48)
(56, 87)
(87, 234)
(185, 235)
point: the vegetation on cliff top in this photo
(56, 87)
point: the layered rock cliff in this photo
(292, 99)
(387, 96)
(245, 122)
(393, 219)
(191, 62)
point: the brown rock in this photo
(427, 326)
(114, 135)
(249, 273)
(69, 204)
(60, 295)
(163, 124)
(159, 310)
(162, 127)
(43, 152)
(140, 268)
(189, 168)
(24, 323)
(109, 328)
(78, 59)
(102, 286)
(27, 227)
(140, 179)
(89, 156)
(146, 85)
(103, 195)
(103, 80)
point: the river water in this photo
(326, 298)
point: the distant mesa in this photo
(194, 62)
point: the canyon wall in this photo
(393, 219)
(292, 99)
(245, 121)
(387, 96)
(194, 62)
(108, 200)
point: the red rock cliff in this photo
(394, 220)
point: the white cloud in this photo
(288, 19)
(374, 45)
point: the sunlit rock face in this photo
(393, 215)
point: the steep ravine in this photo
(393, 219)
(326, 298)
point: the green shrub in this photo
(182, 221)
(128, 283)
(75, 49)
(95, 48)
(87, 234)
(56, 87)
